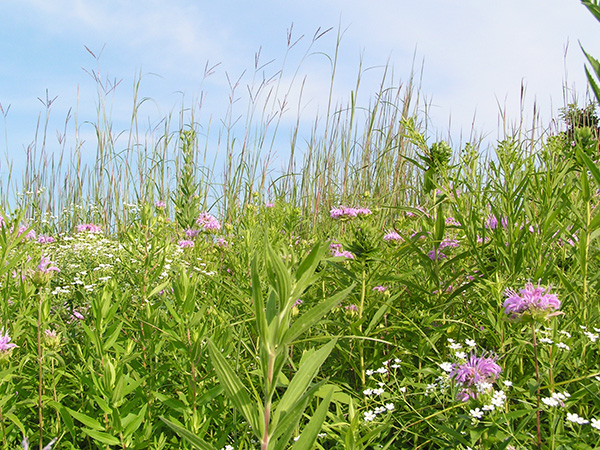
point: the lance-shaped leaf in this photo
(299, 384)
(312, 316)
(188, 436)
(310, 432)
(235, 390)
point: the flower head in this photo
(345, 213)
(89, 227)
(475, 375)
(208, 222)
(5, 345)
(532, 301)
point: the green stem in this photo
(537, 379)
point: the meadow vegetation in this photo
(384, 291)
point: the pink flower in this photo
(345, 213)
(535, 301)
(5, 344)
(208, 222)
(88, 227)
(186, 244)
(45, 266)
(392, 236)
(380, 288)
(160, 204)
(474, 373)
(45, 239)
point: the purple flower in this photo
(392, 236)
(45, 239)
(5, 344)
(208, 222)
(345, 212)
(336, 250)
(45, 266)
(221, 242)
(190, 233)
(160, 204)
(30, 234)
(475, 374)
(436, 255)
(451, 243)
(186, 244)
(380, 288)
(451, 221)
(89, 227)
(535, 301)
(491, 223)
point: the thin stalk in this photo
(537, 379)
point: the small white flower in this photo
(369, 372)
(470, 342)
(575, 418)
(403, 389)
(455, 346)
(489, 407)
(460, 355)
(563, 346)
(550, 401)
(389, 406)
(379, 410)
(591, 336)
(296, 438)
(596, 424)
(545, 340)
(507, 383)
(565, 333)
(476, 413)
(446, 366)
(369, 416)
(322, 435)
(382, 370)
(484, 386)
(378, 391)
(368, 392)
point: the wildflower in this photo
(369, 416)
(393, 236)
(591, 336)
(475, 371)
(447, 366)
(436, 254)
(5, 345)
(380, 288)
(88, 227)
(208, 222)
(186, 244)
(491, 222)
(160, 204)
(190, 233)
(507, 383)
(336, 251)
(476, 413)
(596, 424)
(546, 340)
(30, 234)
(52, 338)
(450, 243)
(42, 239)
(451, 221)
(470, 342)
(460, 355)
(563, 346)
(345, 213)
(575, 418)
(531, 301)
(351, 308)
(389, 406)
(221, 242)
(550, 401)
(454, 345)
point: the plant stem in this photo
(537, 379)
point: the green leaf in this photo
(101, 436)
(188, 436)
(312, 316)
(306, 373)
(309, 434)
(86, 420)
(133, 421)
(234, 388)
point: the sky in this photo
(474, 58)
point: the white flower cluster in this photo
(371, 414)
(497, 401)
(556, 399)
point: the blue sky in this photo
(475, 56)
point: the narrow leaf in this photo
(309, 434)
(188, 436)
